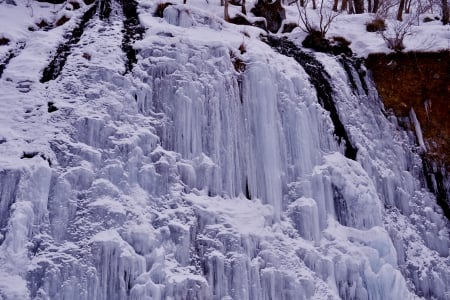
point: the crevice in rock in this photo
(435, 180)
(52, 71)
(30, 154)
(320, 79)
(340, 206)
(247, 190)
(104, 9)
(8, 191)
(132, 31)
(51, 107)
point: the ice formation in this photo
(190, 178)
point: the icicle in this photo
(418, 129)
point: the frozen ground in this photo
(205, 172)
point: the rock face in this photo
(416, 87)
(419, 81)
(185, 177)
(273, 12)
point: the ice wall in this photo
(190, 178)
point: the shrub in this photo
(318, 24)
(315, 40)
(376, 25)
(394, 43)
(396, 33)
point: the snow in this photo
(190, 179)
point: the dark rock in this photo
(51, 107)
(340, 45)
(274, 13)
(320, 79)
(288, 27)
(4, 41)
(240, 20)
(54, 68)
(317, 42)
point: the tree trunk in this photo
(376, 4)
(344, 5)
(335, 5)
(369, 5)
(244, 10)
(314, 4)
(351, 8)
(226, 16)
(359, 6)
(401, 7)
(407, 6)
(445, 12)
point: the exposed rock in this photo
(420, 81)
(274, 13)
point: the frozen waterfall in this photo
(190, 178)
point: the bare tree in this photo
(376, 5)
(401, 7)
(359, 6)
(344, 5)
(335, 5)
(226, 16)
(396, 32)
(325, 16)
(445, 12)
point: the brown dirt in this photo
(415, 80)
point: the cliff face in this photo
(419, 81)
(416, 86)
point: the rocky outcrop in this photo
(416, 87)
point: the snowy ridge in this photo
(190, 178)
